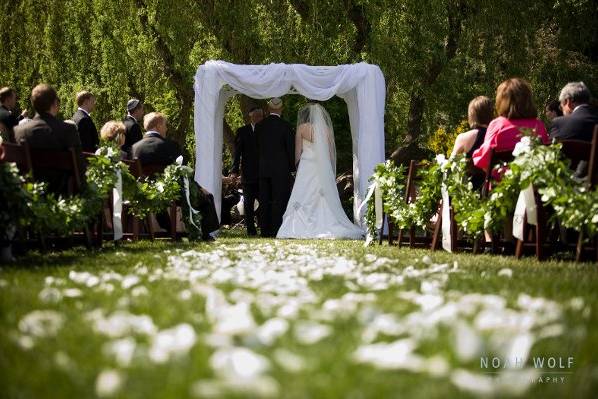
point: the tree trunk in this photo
(456, 15)
(183, 91)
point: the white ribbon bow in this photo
(117, 207)
(446, 220)
(526, 206)
(377, 193)
(192, 211)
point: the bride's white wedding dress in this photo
(314, 209)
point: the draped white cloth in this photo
(361, 85)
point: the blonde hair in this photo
(83, 96)
(153, 119)
(113, 131)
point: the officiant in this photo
(246, 160)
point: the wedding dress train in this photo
(314, 209)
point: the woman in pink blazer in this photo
(516, 110)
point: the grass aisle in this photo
(293, 319)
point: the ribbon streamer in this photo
(375, 191)
(446, 220)
(117, 207)
(526, 206)
(192, 211)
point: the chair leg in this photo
(390, 231)
(135, 228)
(173, 221)
(454, 233)
(436, 235)
(381, 231)
(412, 237)
(579, 249)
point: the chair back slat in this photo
(134, 167)
(593, 162)
(412, 179)
(17, 153)
(576, 151)
(63, 161)
(151, 169)
(496, 158)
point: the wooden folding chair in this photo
(592, 183)
(410, 197)
(149, 170)
(456, 242)
(577, 151)
(496, 158)
(66, 162)
(19, 154)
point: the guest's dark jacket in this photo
(246, 154)
(49, 133)
(579, 125)
(155, 149)
(132, 133)
(87, 131)
(9, 121)
(276, 146)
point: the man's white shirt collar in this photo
(85, 112)
(132, 117)
(275, 114)
(576, 108)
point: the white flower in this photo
(238, 363)
(174, 341)
(41, 323)
(505, 272)
(160, 186)
(441, 159)
(108, 383)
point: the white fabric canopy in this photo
(361, 85)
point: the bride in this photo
(314, 209)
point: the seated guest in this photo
(8, 121)
(516, 111)
(479, 114)
(114, 132)
(133, 133)
(553, 110)
(88, 132)
(579, 117)
(47, 132)
(154, 148)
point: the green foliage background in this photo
(436, 55)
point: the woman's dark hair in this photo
(554, 106)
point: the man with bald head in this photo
(154, 147)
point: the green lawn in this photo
(295, 319)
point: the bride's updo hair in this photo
(304, 113)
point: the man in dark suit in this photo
(155, 148)
(579, 117)
(86, 103)
(135, 111)
(45, 131)
(8, 121)
(276, 163)
(246, 159)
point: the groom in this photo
(276, 151)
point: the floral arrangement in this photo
(545, 167)
(28, 204)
